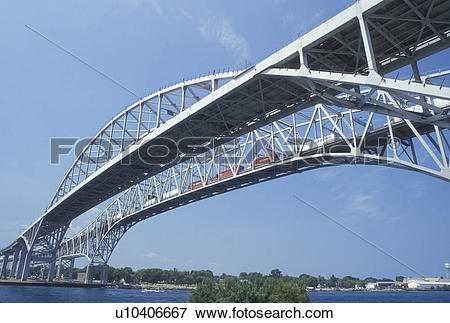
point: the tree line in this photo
(128, 275)
(193, 277)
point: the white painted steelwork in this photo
(346, 62)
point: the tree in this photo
(116, 274)
(303, 278)
(206, 292)
(176, 276)
(370, 280)
(36, 270)
(288, 293)
(128, 274)
(321, 281)
(184, 277)
(153, 275)
(332, 281)
(360, 283)
(260, 290)
(349, 282)
(275, 273)
(399, 278)
(199, 276)
(311, 281)
(254, 276)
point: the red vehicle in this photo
(227, 173)
(196, 184)
(260, 161)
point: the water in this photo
(380, 297)
(45, 294)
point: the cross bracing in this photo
(321, 136)
(342, 65)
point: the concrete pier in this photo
(89, 274)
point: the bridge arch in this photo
(280, 149)
(135, 122)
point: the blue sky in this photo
(147, 44)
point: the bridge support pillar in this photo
(14, 264)
(58, 269)
(26, 266)
(72, 263)
(89, 274)
(4, 265)
(18, 274)
(51, 271)
(104, 274)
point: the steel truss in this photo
(335, 82)
(321, 136)
(134, 123)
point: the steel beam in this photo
(368, 49)
(20, 269)
(4, 265)
(374, 81)
(12, 273)
(26, 266)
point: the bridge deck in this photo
(245, 103)
(137, 206)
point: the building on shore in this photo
(382, 285)
(427, 283)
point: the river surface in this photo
(45, 294)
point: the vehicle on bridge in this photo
(261, 161)
(228, 173)
(323, 141)
(222, 175)
(154, 199)
(195, 185)
(119, 216)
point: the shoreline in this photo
(155, 285)
(52, 284)
(177, 287)
(377, 290)
(94, 285)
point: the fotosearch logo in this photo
(155, 152)
(65, 146)
(224, 150)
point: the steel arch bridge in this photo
(331, 97)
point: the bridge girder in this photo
(321, 136)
